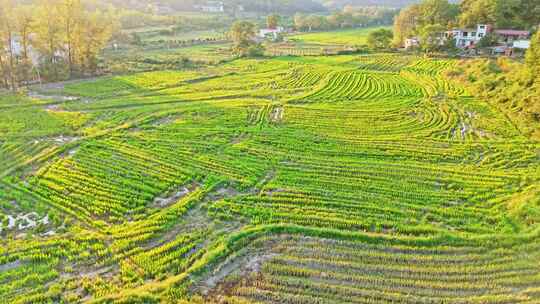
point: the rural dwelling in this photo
(270, 33)
(212, 7)
(522, 44)
(500, 50)
(467, 37)
(18, 50)
(509, 36)
(411, 43)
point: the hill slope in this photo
(338, 179)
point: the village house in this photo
(468, 37)
(507, 39)
(521, 44)
(212, 7)
(18, 50)
(411, 43)
(509, 36)
(271, 33)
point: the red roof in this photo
(512, 32)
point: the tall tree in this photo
(475, 12)
(243, 36)
(532, 57)
(406, 24)
(7, 36)
(24, 16)
(94, 32)
(299, 21)
(272, 21)
(314, 22)
(380, 39)
(501, 13)
(49, 31)
(431, 38)
(440, 12)
(530, 13)
(71, 15)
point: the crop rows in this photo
(338, 179)
(355, 85)
(313, 270)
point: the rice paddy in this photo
(338, 179)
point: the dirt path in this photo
(10, 266)
(244, 265)
(56, 86)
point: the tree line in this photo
(349, 17)
(50, 40)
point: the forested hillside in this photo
(259, 6)
(388, 3)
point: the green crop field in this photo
(339, 179)
(342, 37)
(140, 60)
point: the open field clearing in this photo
(159, 58)
(338, 179)
(353, 37)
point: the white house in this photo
(468, 37)
(522, 44)
(270, 33)
(411, 43)
(18, 50)
(212, 7)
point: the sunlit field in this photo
(342, 37)
(342, 179)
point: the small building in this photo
(509, 36)
(412, 43)
(521, 44)
(212, 7)
(270, 33)
(18, 50)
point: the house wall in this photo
(522, 44)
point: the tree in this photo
(64, 34)
(24, 17)
(532, 58)
(529, 12)
(502, 13)
(517, 13)
(431, 38)
(48, 31)
(406, 24)
(315, 22)
(488, 40)
(433, 12)
(71, 16)
(243, 36)
(475, 12)
(380, 39)
(272, 21)
(299, 21)
(7, 37)
(336, 20)
(95, 31)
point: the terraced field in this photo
(343, 179)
